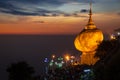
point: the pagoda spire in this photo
(90, 24)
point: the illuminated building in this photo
(88, 40)
(112, 37)
(115, 35)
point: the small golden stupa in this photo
(87, 41)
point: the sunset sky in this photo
(56, 16)
(54, 22)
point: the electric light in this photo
(53, 56)
(72, 57)
(67, 57)
(118, 33)
(112, 37)
(46, 60)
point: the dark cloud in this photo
(11, 7)
(84, 10)
(74, 15)
(40, 12)
(84, 1)
(7, 6)
(47, 1)
(54, 2)
(16, 12)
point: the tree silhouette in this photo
(108, 67)
(20, 71)
(106, 48)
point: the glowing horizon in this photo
(60, 17)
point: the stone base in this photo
(88, 58)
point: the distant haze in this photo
(32, 49)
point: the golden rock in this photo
(88, 40)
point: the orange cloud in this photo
(56, 25)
